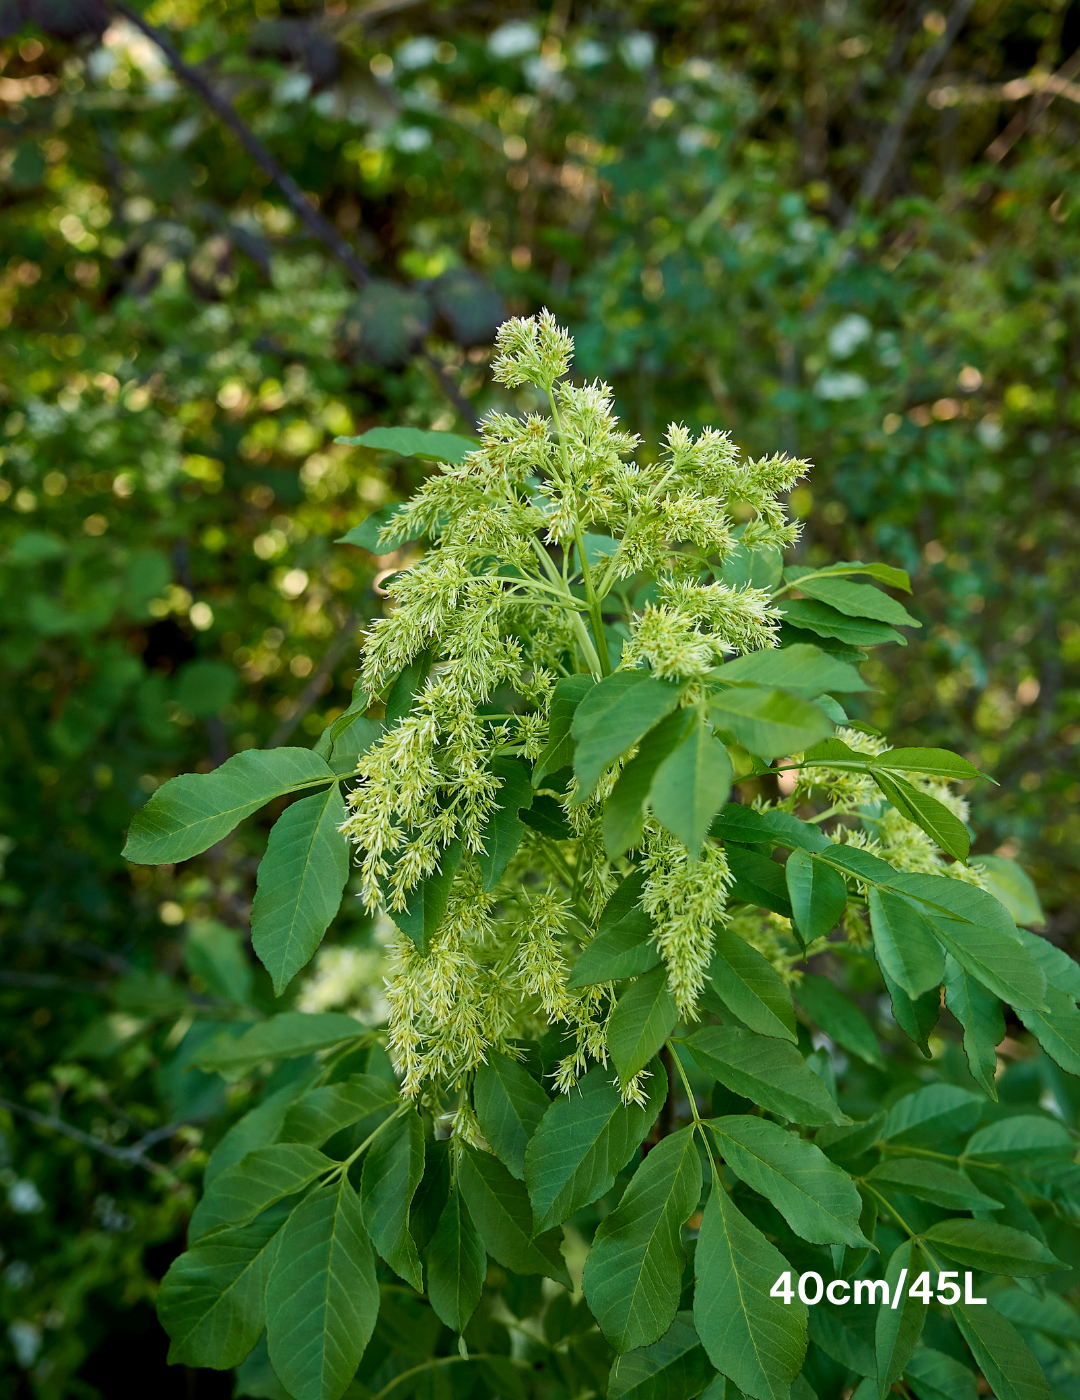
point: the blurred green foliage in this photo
(680, 183)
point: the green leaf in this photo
(261, 1179)
(1011, 883)
(747, 567)
(756, 1340)
(633, 1275)
(768, 1072)
(826, 621)
(188, 814)
(749, 984)
(1059, 969)
(691, 785)
(1050, 1314)
(817, 892)
(758, 880)
(366, 534)
(674, 1368)
(1021, 1141)
(925, 811)
(415, 442)
(320, 1113)
(456, 1264)
(999, 961)
(299, 884)
(211, 1299)
(979, 1013)
(916, 1017)
(932, 1115)
(624, 811)
(645, 1016)
(939, 894)
(408, 685)
(744, 825)
(323, 1298)
(817, 1199)
(852, 599)
(1057, 1029)
(509, 1105)
(584, 1140)
(624, 950)
(283, 1037)
(769, 723)
(802, 669)
(999, 1249)
(933, 1375)
(499, 1206)
(616, 713)
(930, 1181)
(898, 1329)
(884, 573)
(559, 753)
(839, 1017)
(1000, 1353)
(427, 901)
(861, 864)
(934, 763)
(504, 829)
(393, 1168)
(258, 1128)
(905, 943)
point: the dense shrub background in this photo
(683, 184)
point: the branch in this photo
(882, 160)
(135, 1155)
(1001, 145)
(314, 687)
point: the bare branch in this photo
(1000, 147)
(135, 1155)
(882, 161)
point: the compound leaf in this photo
(766, 1071)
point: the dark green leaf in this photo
(756, 1340)
(934, 1375)
(509, 1105)
(261, 1179)
(427, 901)
(838, 1016)
(979, 1013)
(1022, 1140)
(1050, 1314)
(504, 829)
(258, 1128)
(999, 1249)
(415, 442)
(282, 1037)
(932, 1115)
(559, 753)
(616, 713)
(898, 1329)
(933, 763)
(1000, 962)
(826, 621)
(408, 685)
(366, 534)
(625, 809)
(930, 1181)
(768, 1072)
(643, 1019)
(861, 864)
(748, 827)
(299, 884)
(583, 1142)
(1000, 1353)
(1060, 970)
(674, 1368)
(852, 599)
(750, 985)
(925, 811)
(393, 1168)
(758, 880)
(633, 1275)
(624, 950)
(833, 1333)
(211, 1300)
(917, 1016)
(323, 1298)
(456, 1264)
(499, 1206)
(884, 573)
(938, 894)
(547, 817)
(769, 723)
(691, 785)
(802, 669)
(817, 892)
(1057, 1029)
(320, 1113)
(816, 1198)
(905, 943)
(188, 814)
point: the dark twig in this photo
(314, 688)
(1001, 145)
(882, 160)
(47, 982)
(135, 1155)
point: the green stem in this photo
(444, 1361)
(341, 1168)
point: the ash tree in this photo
(592, 1148)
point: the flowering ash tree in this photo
(597, 976)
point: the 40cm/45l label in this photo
(811, 1288)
